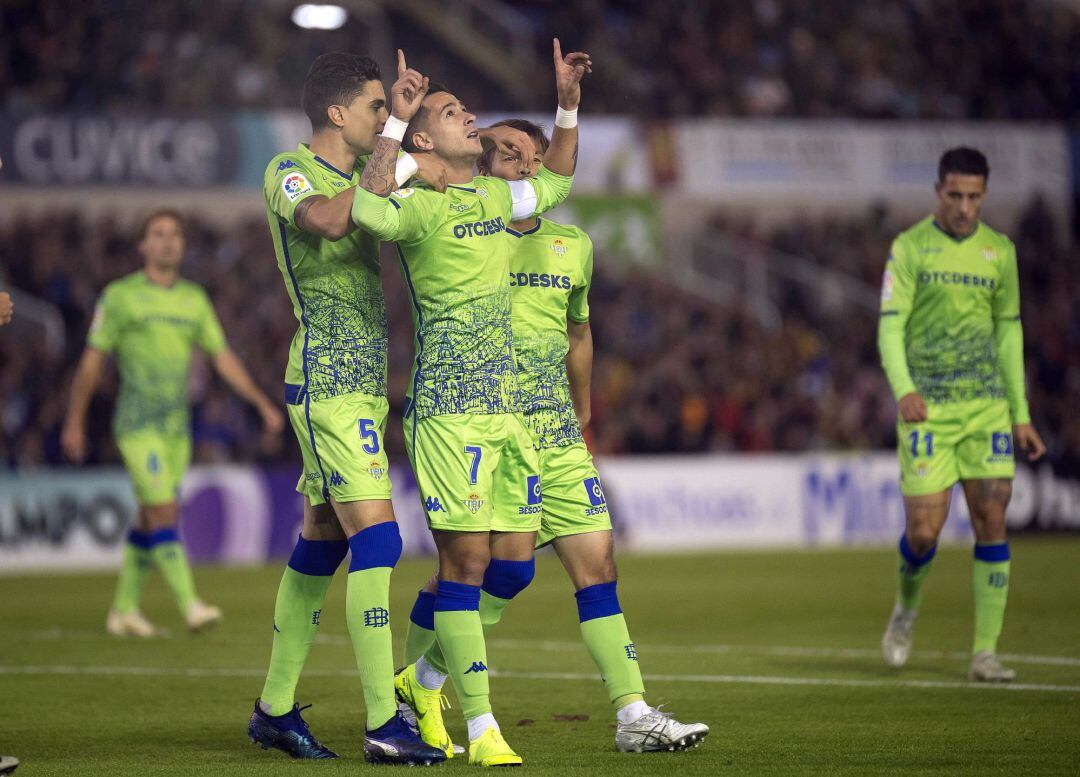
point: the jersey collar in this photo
(320, 161)
(953, 237)
(515, 233)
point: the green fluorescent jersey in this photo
(152, 331)
(335, 288)
(550, 273)
(948, 300)
(456, 261)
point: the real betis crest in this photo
(474, 503)
(559, 247)
(376, 470)
(988, 253)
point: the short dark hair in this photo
(534, 131)
(160, 213)
(963, 161)
(416, 124)
(335, 78)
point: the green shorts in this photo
(475, 472)
(341, 441)
(156, 463)
(574, 501)
(958, 441)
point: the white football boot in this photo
(131, 624)
(656, 730)
(985, 668)
(200, 616)
(899, 634)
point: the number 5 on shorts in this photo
(369, 435)
(476, 453)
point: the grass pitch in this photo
(776, 651)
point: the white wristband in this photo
(405, 169)
(566, 119)
(394, 128)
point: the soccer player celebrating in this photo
(953, 351)
(470, 450)
(550, 275)
(335, 388)
(151, 320)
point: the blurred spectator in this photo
(986, 59)
(673, 373)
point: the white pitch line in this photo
(735, 679)
(59, 634)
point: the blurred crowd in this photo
(673, 372)
(987, 59)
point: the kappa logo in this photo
(433, 505)
(477, 666)
(459, 207)
(294, 185)
(286, 165)
(376, 469)
(473, 502)
(337, 480)
(377, 617)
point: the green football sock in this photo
(912, 572)
(420, 634)
(134, 568)
(991, 587)
(171, 560)
(491, 611)
(375, 551)
(300, 598)
(604, 630)
(461, 637)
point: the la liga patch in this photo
(295, 185)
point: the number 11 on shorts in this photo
(474, 466)
(928, 441)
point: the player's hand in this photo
(569, 71)
(7, 308)
(408, 91)
(1029, 441)
(272, 420)
(431, 170)
(912, 408)
(73, 442)
(509, 141)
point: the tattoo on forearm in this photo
(300, 214)
(573, 162)
(379, 175)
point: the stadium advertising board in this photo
(245, 515)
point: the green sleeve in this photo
(211, 337)
(551, 189)
(1009, 339)
(407, 215)
(286, 183)
(897, 294)
(578, 310)
(107, 322)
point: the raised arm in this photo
(561, 156)
(83, 385)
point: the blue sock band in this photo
(506, 579)
(138, 539)
(456, 596)
(161, 536)
(992, 551)
(597, 601)
(910, 557)
(375, 546)
(423, 612)
(318, 558)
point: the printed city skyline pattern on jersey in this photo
(546, 403)
(335, 286)
(464, 361)
(946, 368)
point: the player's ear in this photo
(422, 141)
(336, 115)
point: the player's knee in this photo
(921, 539)
(506, 579)
(375, 546)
